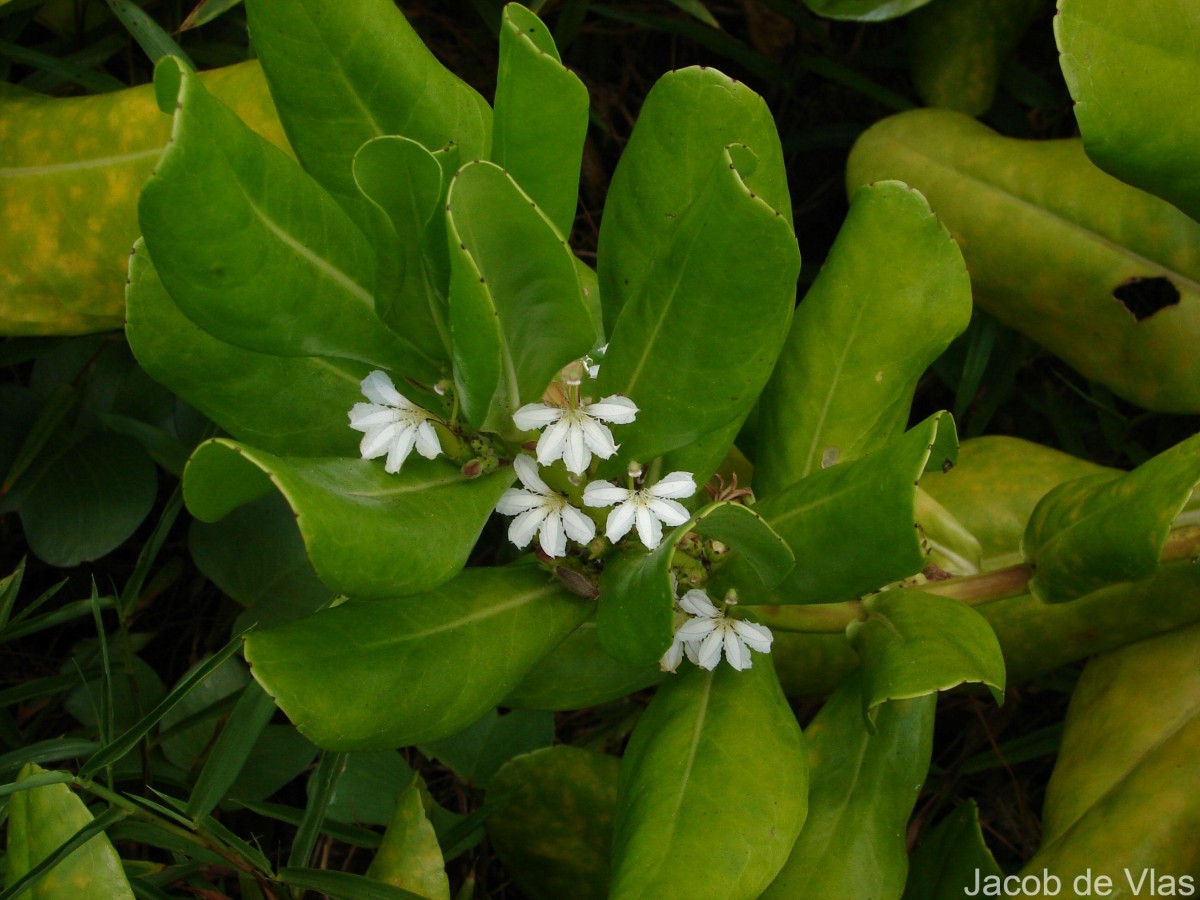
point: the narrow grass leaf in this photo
(117, 748)
(150, 36)
(250, 716)
(324, 780)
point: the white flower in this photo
(649, 509)
(392, 424)
(703, 636)
(575, 433)
(539, 509)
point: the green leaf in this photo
(862, 788)
(477, 752)
(704, 306)
(1131, 735)
(863, 10)
(996, 484)
(1106, 528)
(409, 857)
(541, 117)
(347, 73)
(912, 644)
(1129, 75)
(409, 185)
(698, 10)
(1113, 263)
(251, 395)
(950, 857)
(90, 500)
(279, 755)
(713, 788)
(184, 747)
(517, 312)
(958, 48)
(684, 126)
(256, 556)
(390, 673)
(853, 526)
(370, 787)
(88, 178)
(368, 533)
(232, 750)
(264, 259)
(636, 618)
(44, 821)
(344, 885)
(555, 831)
(891, 296)
(579, 673)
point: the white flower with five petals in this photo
(709, 631)
(575, 433)
(648, 509)
(540, 510)
(392, 424)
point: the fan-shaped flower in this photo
(648, 509)
(709, 631)
(392, 424)
(575, 432)
(540, 510)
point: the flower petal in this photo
(400, 450)
(696, 629)
(525, 526)
(673, 657)
(649, 529)
(527, 470)
(368, 415)
(515, 501)
(676, 485)
(601, 493)
(616, 409)
(599, 439)
(620, 520)
(579, 527)
(551, 537)
(668, 511)
(757, 637)
(697, 603)
(376, 442)
(735, 650)
(709, 653)
(378, 388)
(428, 444)
(576, 456)
(692, 649)
(536, 415)
(550, 444)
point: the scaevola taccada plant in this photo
(410, 269)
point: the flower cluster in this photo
(708, 631)
(392, 425)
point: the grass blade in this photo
(118, 747)
(229, 754)
(322, 783)
(150, 36)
